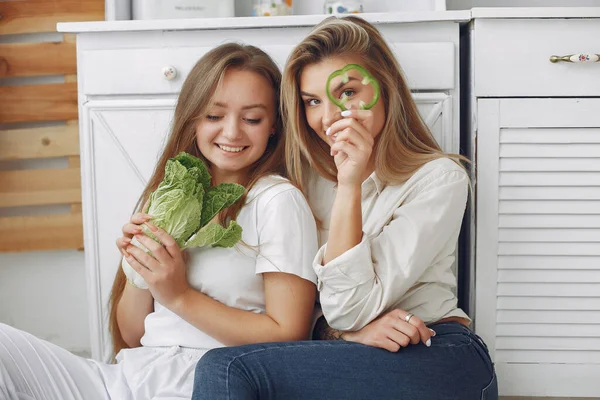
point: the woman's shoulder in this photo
(272, 187)
(442, 168)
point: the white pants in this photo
(33, 369)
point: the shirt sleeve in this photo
(373, 276)
(287, 235)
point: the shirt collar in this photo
(374, 179)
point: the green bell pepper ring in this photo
(367, 79)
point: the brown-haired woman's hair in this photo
(193, 104)
(404, 144)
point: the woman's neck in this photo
(239, 177)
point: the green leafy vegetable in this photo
(184, 205)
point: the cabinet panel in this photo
(538, 243)
(121, 146)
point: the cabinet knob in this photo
(169, 72)
(576, 58)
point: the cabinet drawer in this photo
(428, 66)
(141, 71)
(512, 57)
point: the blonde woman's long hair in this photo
(405, 142)
(193, 104)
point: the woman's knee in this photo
(214, 360)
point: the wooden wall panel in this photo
(31, 59)
(33, 16)
(41, 232)
(29, 103)
(55, 141)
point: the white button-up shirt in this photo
(405, 258)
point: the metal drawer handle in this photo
(576, 58)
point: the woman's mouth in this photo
(232, 149)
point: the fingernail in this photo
(124, 253)
(328, 131)
(152, 227)
(127, 240)
(428, 342)
(346, 113)
(432, 332)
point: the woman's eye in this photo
(348, 93)
(213, 117)
(312, 102)
(253, 121)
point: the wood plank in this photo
(55, 141)
(34, 187)
(41, 232)
(31, 16)
(53, 102)
(34, 59)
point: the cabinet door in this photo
(121, 142)
(538, 244)
(436, 111)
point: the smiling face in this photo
(320, 111)
(234, 133)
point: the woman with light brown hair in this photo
(390, 204)
(263, 290)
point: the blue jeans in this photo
(457, 366)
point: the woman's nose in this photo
(331, 114)
(231, 129)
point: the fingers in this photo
(400, 338)
(365, 117)
(349, 135)
(337, 127)
(390, 345)
(123, 242)
(157, 250)
(423, 333)
(347, 148)
(167, 240)
(145, 260)
(137, 267)
(140, 218)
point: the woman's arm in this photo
(345, 228)
(289, 305)
(372, 277)
(133, 307)
(287, 245)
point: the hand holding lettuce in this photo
(184, 205)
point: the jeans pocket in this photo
(490, 392)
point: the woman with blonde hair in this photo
(226, 115)
(390, 203)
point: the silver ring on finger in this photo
(408, 317)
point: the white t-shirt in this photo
(279, 235)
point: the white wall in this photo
(44, 293)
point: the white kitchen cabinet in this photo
(537, 127)
(126, 106)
